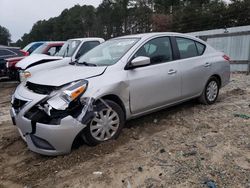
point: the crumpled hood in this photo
(35, 58)
(66, 74)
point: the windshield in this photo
(40, 49)
(108, 53)
(69, 48)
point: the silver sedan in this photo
(121, 79)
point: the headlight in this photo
(64, 97)
(24, 75)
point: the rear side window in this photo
(86, 46)
(200, 47)
(188, 48)
(158, 50)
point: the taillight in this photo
(17, 68)
(24, 53)
(227, 58)
(13, 65)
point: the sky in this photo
(18, 16)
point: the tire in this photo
(93, 135)
(210, 98)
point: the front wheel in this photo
(106, 125)
(210, 92)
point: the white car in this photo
(70, 52)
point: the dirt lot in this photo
(184, 146)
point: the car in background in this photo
(72, 50)
(33, 46)
(48, 48)
(8, 52)
(121, 79)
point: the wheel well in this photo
(117, 100)
(218, 78)
(78, 139)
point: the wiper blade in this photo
(87, 64)
(73, 62)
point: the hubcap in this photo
(105, 124)
(212, 91)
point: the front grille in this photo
(18, 104)
(40, 89)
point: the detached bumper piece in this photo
(46, 130)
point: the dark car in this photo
(49, 48)
(8, 52)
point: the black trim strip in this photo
(175, 49)
(41, 62)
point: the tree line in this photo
(4, 36)
(120, 17)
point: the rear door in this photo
(157, 84)
(194, 67)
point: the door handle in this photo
(172, 71)
(207, 64)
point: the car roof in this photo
(155, 34)
(88, 39)
(38, 42)
(54, 42)
(8, 47)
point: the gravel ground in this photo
(189, 145)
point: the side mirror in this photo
(140, 61)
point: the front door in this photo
(157, 84)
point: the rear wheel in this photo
(210, 92)
(106, 125)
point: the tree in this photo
(167, 6)
(119, 17)
(4, 36)
(142, 17)
(162, 22)
(239, 13)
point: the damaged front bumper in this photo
(42, 136)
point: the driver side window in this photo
(158, 50)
